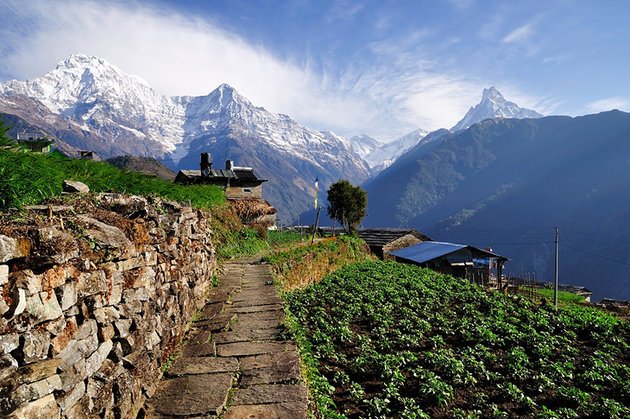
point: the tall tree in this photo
(346, 204)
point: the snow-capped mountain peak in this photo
(493, 105)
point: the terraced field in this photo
(391, 340)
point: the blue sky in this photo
(382, 68)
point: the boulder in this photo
(13, 248)
(74, 186)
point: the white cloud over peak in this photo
(398, 90)
(607, 104)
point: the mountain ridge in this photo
(493, 105)
(117, 113)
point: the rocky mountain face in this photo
(493, 105)
(92, 104)
(506, 183)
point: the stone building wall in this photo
(95, 294)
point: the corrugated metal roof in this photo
(426, 251)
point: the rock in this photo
(13, 248)
(4, 274)
(67, 295)
(38, 371)
(70, 398)
(8, 365)
(34, 346)
(9, 342)
(122, 327)
(45, 407)
(91, 283)
(29, 282)
(56, 326)
(43, 306)
(18, 302)
(61, 341)
(107, 236)
(41, 388)
(106, 333)
(95, 361)
(71, 374)
(74, 186)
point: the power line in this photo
(596, 255)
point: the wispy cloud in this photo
(394, 91)
(344, 10)
(607, 104)
(462, 4)
(519, 35)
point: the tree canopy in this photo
(346, 204)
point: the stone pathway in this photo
(237, 361)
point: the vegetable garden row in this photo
(382, 339)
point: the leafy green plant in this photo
(393, 340)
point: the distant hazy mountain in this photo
(381, 155)
(506, 182)
(493, 105)
(94, 105)
(363, 145)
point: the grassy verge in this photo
(304, 265)
(391, 340)
(30, 178)
(563, 296)
(279, 238)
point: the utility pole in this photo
(555, 270)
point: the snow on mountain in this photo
(381, 157)
(363, 145)
(493, 105)
(129, 117)
(105, 100)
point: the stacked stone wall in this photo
(95, 295)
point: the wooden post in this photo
(555, 270)
(316, 222)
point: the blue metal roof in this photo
(426, 251)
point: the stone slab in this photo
(270, 360)
(218, 323)
(203, 349)
(253, 348)
(267, 411)
(270, 393)
(272, 375)
(271, 334)
(257, 308)
(258, 301)
(254, 324)
(202, 365)
(201, 394)
(211, 310)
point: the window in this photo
(247, 190)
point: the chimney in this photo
(205, 165)
(229, 164)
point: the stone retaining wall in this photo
(95, 295)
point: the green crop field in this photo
(391, 340)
